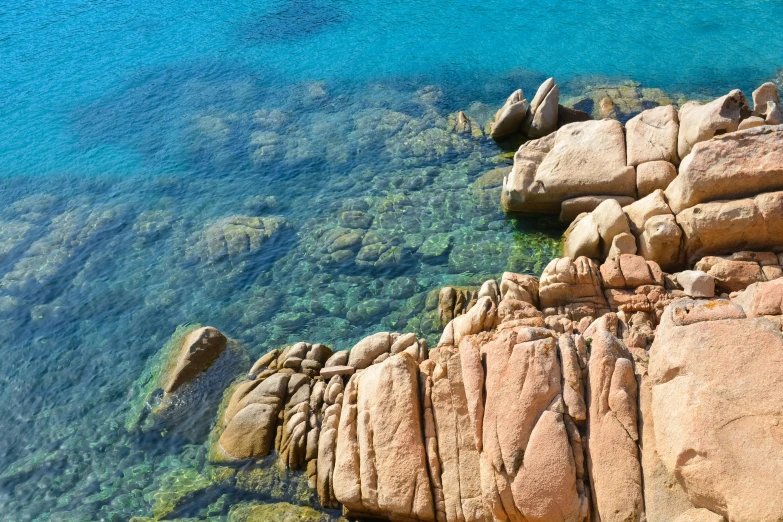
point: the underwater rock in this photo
(281, 512)
(238, 240)
(435, 246)
(69, 234)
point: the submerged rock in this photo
(282, 512)
(238, 240)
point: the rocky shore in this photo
(635, 379)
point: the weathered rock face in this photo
(199, 350)
(526, 449)
(735, 165)
(509, 117)
(542, 117)
(572, 288)
(652, 136)
(717, 404)
(701, 122)
(280, 406)
(580, 159)
(725, 226)
(612, 453)
(380, 459)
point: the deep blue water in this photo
(129, 128)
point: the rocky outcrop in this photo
(612, 388)
(716, 403)
(538, 119)
(509, 117)
(730, 166)
(541, 119)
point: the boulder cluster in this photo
(672, 186)
(604, 392)
(636, 379)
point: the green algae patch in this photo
(152, 378)
(281, 512)
(176, 489)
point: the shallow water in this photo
(131, 130)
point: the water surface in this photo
(131, 130)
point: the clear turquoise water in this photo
(129, 127)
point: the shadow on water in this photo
(292, 20)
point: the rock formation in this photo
(539, 118)
(615, 387)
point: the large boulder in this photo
(652, 136)
(726, 226)
(731, 275)
(180, 387)
(582, 238)
(736, 165)
(700, 122)
(660, 241)
(364, 353)
(717, 401)
(580, 159)
(380, 458)
(765, 94)
(638, 212)
(199, 350)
